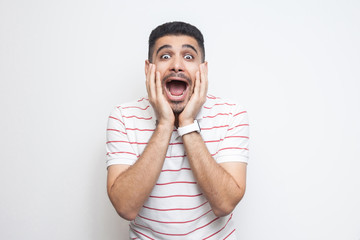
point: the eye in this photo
(165, 56)
(188, 57)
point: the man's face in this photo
(177, 58)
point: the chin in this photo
(177, 107)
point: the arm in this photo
(223, 184)
(129, 186)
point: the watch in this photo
(189, 128)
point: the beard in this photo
(178, 107)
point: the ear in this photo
(147, 63)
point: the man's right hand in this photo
(162, 108)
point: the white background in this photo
(295, 65)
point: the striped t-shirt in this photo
(176, 207)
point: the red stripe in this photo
(183, 234)
(211, 141)
(212, 97)
(121, 152)
(176, 143)
(161, 184)
(170, 170)
(217, 115)
(217, 104)
(137, 107)
(220, 229)
(116, 119)
(142, 99)
(175, 222)
(116, 130)
(236, 137)
(214, 127)
(141, 233)
(171, 196)
(175, 209)
(229, 234)
(138, 129)
(239, 113)
(232, 148)
(143, 118)
(228, 149)
(240, 125)
(117, 141)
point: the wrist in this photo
(185, 122)
(164, 125)
(193, 127)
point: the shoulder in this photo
(140, 103)
(135, 114)
(218, 104)
(139, 106)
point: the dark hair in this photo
(175, 28)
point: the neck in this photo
(176, 120)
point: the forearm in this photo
(218, 186)
(132, 187)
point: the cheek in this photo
(192, 73)
(161, 67)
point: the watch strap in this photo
(194, 127)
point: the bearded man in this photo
(177, 159)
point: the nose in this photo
(177, 64)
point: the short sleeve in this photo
(235, 145)
(119, 149)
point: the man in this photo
(177, 159)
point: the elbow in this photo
(125, 211)
(123, 207)
(223, 210)
(127, 215)
(227, 207)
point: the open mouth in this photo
(176, 89)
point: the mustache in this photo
(177, 75)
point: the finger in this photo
(147, 79)
(206, 69)
(204, 80)
(158, 84)
(197, 83)
(203, 72)
(152, 82)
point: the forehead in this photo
(176, 42)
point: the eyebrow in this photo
(189, 46)
(162, 47)
(169, 46)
